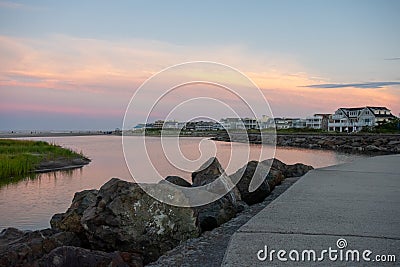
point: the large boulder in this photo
(274, 178)
(74, 256)
(212, 176)
(267, 174)
(24, 248)
(295, 170)
(243, 177)
(71, 219)
(126, 218)
(176, 180)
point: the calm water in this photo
(30, 204)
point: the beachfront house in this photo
(298, 123)
(283, 123)
(354, 119)
(232, 123)
(318, 121)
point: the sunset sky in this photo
(69, 65)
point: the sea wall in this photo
(352, 143)
(122, 225)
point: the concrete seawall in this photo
(357, 202)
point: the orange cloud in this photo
(109, 72)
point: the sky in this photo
(75, 65)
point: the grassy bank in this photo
(19, 158)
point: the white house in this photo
(250, 123)
(318, 121)
(232, 123)
(353, 119)
(283, 123)
(299, 123)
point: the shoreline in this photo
(50, 134)
(62, 164)
(193, 134)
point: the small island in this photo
(25, 158)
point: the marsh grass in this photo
(19, 158)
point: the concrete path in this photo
(357, 202)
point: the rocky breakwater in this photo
(374, 144)
(123, 217)
(121, 225)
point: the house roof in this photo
(385, 108)
(322, 114)
(352, 109)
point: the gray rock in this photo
(71, 219)
(345, 147)
(372, 148)
(393, 143)
(213, 177)
(24, 248)
(67, 256)
(243, 177)
(295, 170)
(176, 180)
(274, 178)
(126, 218)
(314, 146)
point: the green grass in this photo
(387, 127)
(19, 158)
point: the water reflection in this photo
(30, 203)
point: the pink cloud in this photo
(51, 109)
(69, 75)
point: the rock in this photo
(24, 248)
(377, 143)
(126, 218)
(243, 177)
(207, 173)
(75, 256)
(177, 181)
(295, 170)
(345, 147)
(213, 177)
(216, 213)
(71, 219)
(274, 178)
(314, 146)
(276, 164)
(393, 143)
(339, 142)
(329, 144)
(321, 143)
(372, 148)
